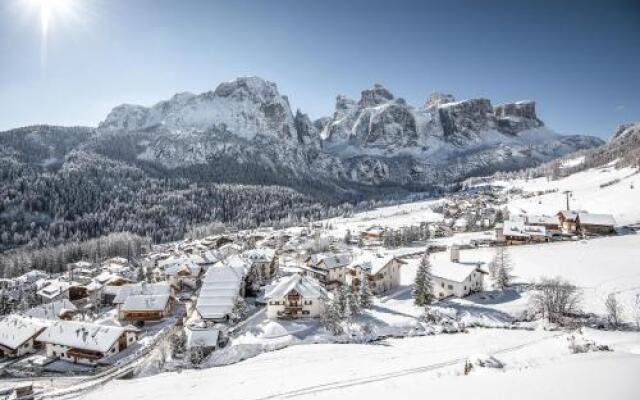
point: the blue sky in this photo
(579, 60)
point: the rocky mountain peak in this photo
(377, 95)
(435, 100)
(515, 117)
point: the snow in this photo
(443, 267)
(147, 302)
(306, 287)
(51, 311)
(15, 330)
(151, 289)
(81, 335)
(408, 368)
(617, 199)
(596, 219)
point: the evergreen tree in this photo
(502, 267)
(332, 318)
(423, 292)
(364, 293)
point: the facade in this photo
(567, 222)
(294, 297)
(85, 343)
(383, 272)
(453, 279)
(144, 302)
(263, 262)
(331, 270)
(595, 224)
(17, 335)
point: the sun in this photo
(50, 10)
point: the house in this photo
(550, 223)
(295, 296)
(222, 286)
(518, 232)
(457, 279)
(264, 262)
(373, 233)
(60, 309)
(180, 271)
(17, 335)
(595, 224)
(144, 302)
(85, 343)
(331, 270)
(52, 290)
(383, 272)
(567, 221)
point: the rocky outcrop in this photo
(462, 120)
(516, 117)
(436, 100)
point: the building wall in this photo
(445, 288)
(315, 309)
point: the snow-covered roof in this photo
(185, 266)
(569, 214)
(161, 288)
(52, 289)
(81, 335)
(259, 255)
(146, 302)
(16, 329)
(219, 292)
(596, 219)
(371, 262)
(442, 267)
(201, 337)
(542, 219)
(51, 311)
(306, 287)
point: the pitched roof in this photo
(371, 262)
(16, 329)
(125, 291)
(146, 302)
(306, 287)
(51, 311)
(596, 219)
(81, 335)
(219, 292)
(202, 337)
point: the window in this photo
(305, 312)
(450, 287)
(442, 284)
(465, 288)
(308, 302)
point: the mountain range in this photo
(245, 133)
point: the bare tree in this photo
(556, 298)
(614, 310)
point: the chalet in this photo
(85, 343)
(518, 232)
(331, 270)
(550, 223)
(457, 279)
(373, 233)
(144, 302)
(567, 221)
(52, 290)
(595, 224)
(383, 272)
(221, 289)
(17, 335)
(60, 309)
(263, 262)
(180, 271)
(295, 296)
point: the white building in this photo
(329, 269)
(61, 309)
(457, 279)
(263, 262)
(85, 343)
(295, 296)
(17, 335)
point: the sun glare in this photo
(50, 10)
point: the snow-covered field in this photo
(618, 199)
(536, 360)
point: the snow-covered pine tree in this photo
(502, 267)
(423, 285)
(365, 292)
(332, 318)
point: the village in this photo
(199, 297)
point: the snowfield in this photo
(620, 195)
(538, 360)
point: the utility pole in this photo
(567, 193)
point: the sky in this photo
(579, 60)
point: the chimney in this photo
(455, 253)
